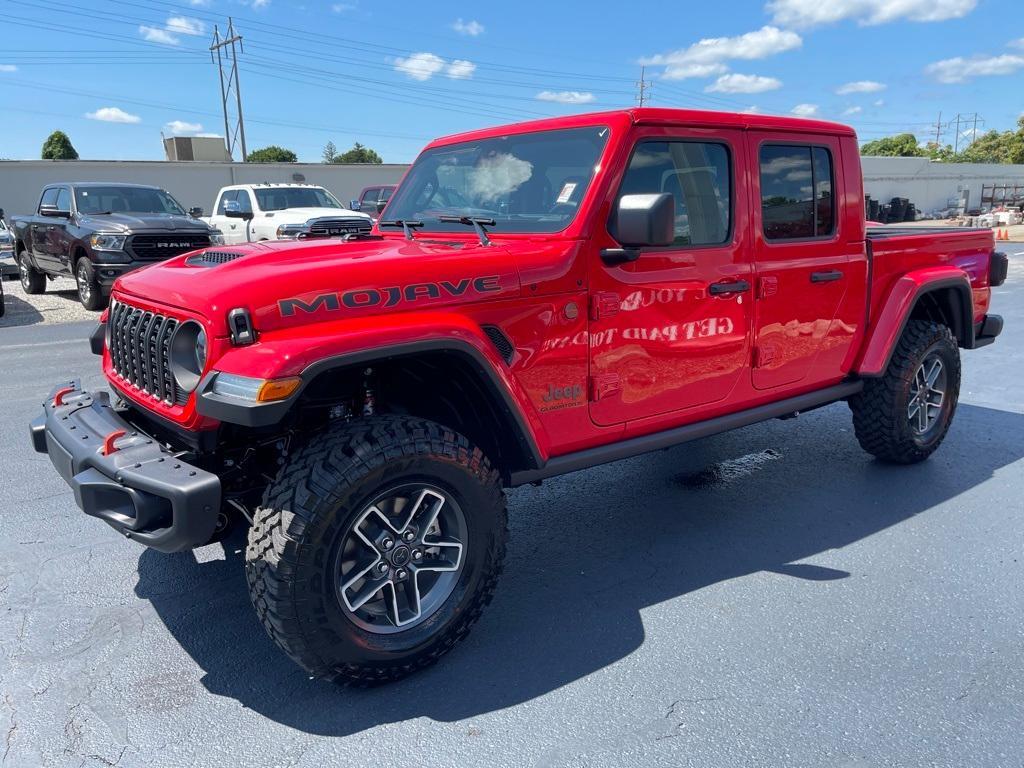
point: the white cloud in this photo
(157, 35)
(860, 86)
(805, 110)
(199, 3)
(8, 68)
(852, 111)
(708, 56)
(878, 103)
(683, 71)
(471, 27)
(567, 97)
(460, 70)
(751, 110)
(1017, 43)
(735, 83)
(260, 3)
(809, 13)
(185, 25)
(180, 127)
(113, 115)
(959, 69)
(420, 66)
(343, 7)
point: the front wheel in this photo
(903, 416)
(89, 291)
(376, 548)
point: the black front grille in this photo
(164, 246)
(140, 345)
(351, 225)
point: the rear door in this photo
(801, 260)
(671, 330)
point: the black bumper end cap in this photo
(97, 338)
(998, 268)
(988, 330)
(37, 431)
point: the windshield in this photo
(125, 200)
(531, 182)
(280, 198)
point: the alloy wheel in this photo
(82, 278)
(927, 396)
(401, 559)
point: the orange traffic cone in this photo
(1006, 234)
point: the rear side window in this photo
(697, 174)
(796, 192)
(49, 197)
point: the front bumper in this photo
(129, 481)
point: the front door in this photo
(801, 259)
(671, 330)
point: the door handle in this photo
(719, 289)
(828, 276)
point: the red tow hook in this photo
(108, 441)
(58, 399)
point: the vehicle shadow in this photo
(18, 312)
(588, 553)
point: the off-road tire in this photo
(318, 491)
(3, 304)
(32, 280)
(880, 410)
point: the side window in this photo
(49, 197)
(698, 176)
(369, 196)
(231, 194)
(796, 192)
(385, 193)
(63, 199)
(244, 201)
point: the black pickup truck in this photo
(97, 231)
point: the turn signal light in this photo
(277, 389)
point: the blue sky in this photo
(113, 74)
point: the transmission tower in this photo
(223, 53)
(643, 89)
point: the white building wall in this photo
(191, 183)
(932, 186)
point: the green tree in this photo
(903, 145)
(358, 154)
(330, 152)
(272, 154)
(996, 147)
(940, 153)
(58, 147)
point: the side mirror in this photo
(353, 205)
(381, 205)
(233, 210)
(645, 220)
(49, 209)
(195, 212)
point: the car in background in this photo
(97, 231)
(8, 269)
(252, 212)
(373, 200)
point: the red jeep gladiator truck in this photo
(535, 299)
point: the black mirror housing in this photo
(195, 212)
(645, 220)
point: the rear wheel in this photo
(903, 416)
(89, 291)
(32, 280)
(376, 548)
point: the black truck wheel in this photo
(32, 280)
(89, 291)
(903, 416)
(376, 548)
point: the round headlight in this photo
(188, 354)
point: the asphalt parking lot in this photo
(770, 597)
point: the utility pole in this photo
(219, 55)
(643, 89)
(956, 136)
(938, 131)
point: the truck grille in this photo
(140, 343)
(350, 225)
(156, 247)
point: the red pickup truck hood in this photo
(284, 284)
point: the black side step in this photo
(592, 457)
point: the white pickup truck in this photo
(251, 212)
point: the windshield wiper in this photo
(407, 225)
(477, 222)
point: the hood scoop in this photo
(212, 258)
